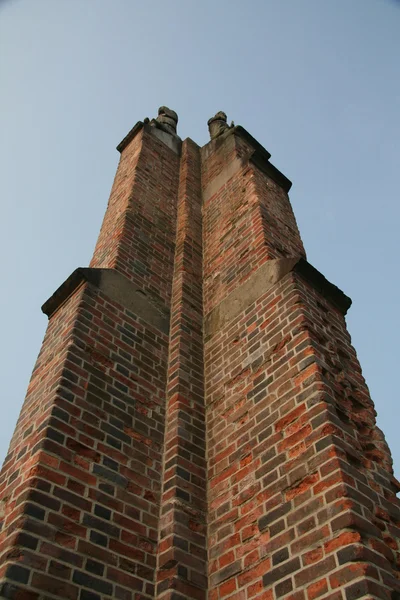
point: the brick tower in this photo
(197, 424)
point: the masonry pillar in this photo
(182, 559)
(80, 488)
(301, 493)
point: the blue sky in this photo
(317, 82)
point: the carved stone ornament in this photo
(167, 120)
(217, 125)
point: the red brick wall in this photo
(138, 232)
(107, 251)
(127, 479)
(82, 513)
(300, 486)
(81, 485)
(183, 552)
(301, 494)
(247, 219)
(280, 233)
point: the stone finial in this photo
(167, 120)
(217, 125)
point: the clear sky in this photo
(317, 82)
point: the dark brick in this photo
(27, 541)
(44, 500)
(100, 585)
(226, 572)
(98, 538)
(110, 475)
(280, 572)
(280, 556)
(283, 588)
(111, 464)
(273, 515)
(182, 494)
(94, 567)
(86, 595)
(17, 573)
(318, 570)
(32, 510)
(365, 587)
(101, 511)
(183, 473)
(55, 435)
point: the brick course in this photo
(197, 424)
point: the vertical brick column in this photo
(247, 216)
(138, 232)
(182, 549)
(80, 488)
(301, 492)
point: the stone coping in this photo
(270, 273)
(129, 136)
(118, 288)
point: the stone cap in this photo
(266, 276)
(220, 130)
(260, 158)
(129, 136)
(118, 288)
(165, 123)
(243, 133)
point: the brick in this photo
(87, 595)
(280, 556)
(255, 572)
(18, 573)
(274, 515)
(282, 571)
(12, 592)
(317, 589)
(283, 588)
(93, 583)
(54, 586)
(351, 572)
(365, 588)
(316, 570)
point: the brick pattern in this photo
(81, 514)
(301, 489)
(241, 465)
(107, 251)
(138, 232)
(81, 485)
(182, 549)
(281, 236)
(247, 221)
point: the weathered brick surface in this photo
(137, 237)
(83, 506)
(301, 493)
(247, 219)
(232, 454)
(182, 551)
(81, 484)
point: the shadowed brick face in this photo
(197, 425)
